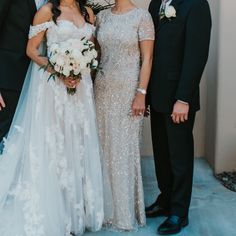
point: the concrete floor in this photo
(213, 208)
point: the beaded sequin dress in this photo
(115, 86)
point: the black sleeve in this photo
(4, 7)
(154, 7)
(197, 40)
(151, 7)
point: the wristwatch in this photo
(142, 91)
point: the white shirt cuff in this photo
(186, 103)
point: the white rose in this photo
(66, 71)
(88, 56)
(66, 60)
(60, 61)
(53, 59)
(57, 68)
(94, 53)
(83, 64)
(170, 11)
(76, 70)
(76, 54)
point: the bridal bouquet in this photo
(73, 58)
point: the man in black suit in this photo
(181, 51)
(15, 19)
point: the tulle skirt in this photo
(50, 172)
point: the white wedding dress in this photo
(50, 172)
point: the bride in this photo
(50, 172)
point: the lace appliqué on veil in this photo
(36, 29)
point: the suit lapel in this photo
(162, 22)
(175, 4)
(154, 10)
(32, 7)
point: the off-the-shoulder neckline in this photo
(68, 21)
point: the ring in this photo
(140, 114)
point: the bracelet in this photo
(142, 91)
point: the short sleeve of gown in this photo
(36, 29)
(146, 27)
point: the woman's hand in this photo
(2, 103)
(138, 106)
(70, 82)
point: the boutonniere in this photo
(168, 12)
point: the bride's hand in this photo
(2, 103)
(138, 106)
(70, 82)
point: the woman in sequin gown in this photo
(126, 42)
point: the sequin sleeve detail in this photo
(146, 27)
(98, 18)
(36, 29)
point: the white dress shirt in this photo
(39, 3)
(167, 3)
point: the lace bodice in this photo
(63, 30)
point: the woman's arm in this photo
(91, 19)
(91, 15)
(42, 16)
(146, 48)
(93, 39)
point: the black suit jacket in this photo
(180, 54)
(15, 19)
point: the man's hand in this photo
(180, 112)
(147, 112)
(2, 103)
